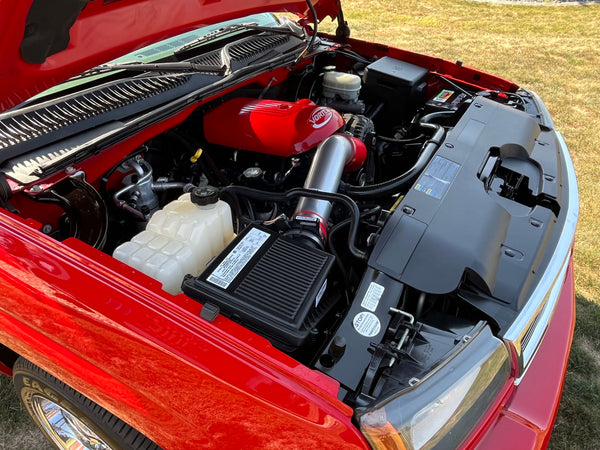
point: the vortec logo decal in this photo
(320, 117)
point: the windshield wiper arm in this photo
(298, 32)
(178, 67)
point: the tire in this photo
(68, 419)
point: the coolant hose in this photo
(399, 183)
(5, 190)
(427, 118)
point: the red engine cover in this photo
(271, 126)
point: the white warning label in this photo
(233, 263)
(367, 324)
(372, 296)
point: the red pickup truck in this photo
(222, 228)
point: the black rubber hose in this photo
(5, 190)
(334, 230)
(310, 44)
(301, 192)
(437, 115)
(400, 141)
(235, 206)
(395, 185)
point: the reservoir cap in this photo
(204, 195)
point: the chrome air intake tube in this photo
(331, 157)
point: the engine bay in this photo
(298, 206)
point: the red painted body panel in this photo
(270, 126)
(107, 30)
(525, 421)
(5, 370)
(113, 334)
(151, 360)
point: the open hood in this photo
(44, 43)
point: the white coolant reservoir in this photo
(180, 239)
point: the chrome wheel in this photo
(66, 430)
(70, 420)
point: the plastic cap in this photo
(337, 347)
(205, 195)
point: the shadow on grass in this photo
(578, 422)
(17, 430)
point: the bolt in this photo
(46, 229)
(70, 169)
(36, 188)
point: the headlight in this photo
(441, 410)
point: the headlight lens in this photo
(441, 410)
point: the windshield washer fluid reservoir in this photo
(180, 239)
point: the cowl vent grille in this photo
(210, 59)
(256, 46)
(21, 128)
(248, 48)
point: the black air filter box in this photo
(268, 283)
(394, 79)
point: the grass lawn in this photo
(552, 49)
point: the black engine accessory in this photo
(269, 284)
(398, 80)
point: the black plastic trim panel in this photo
(451, 226)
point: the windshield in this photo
(162, 49)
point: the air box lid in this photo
(268, 283)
